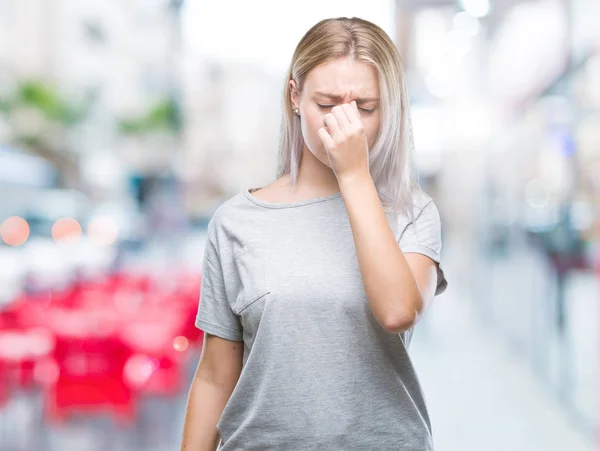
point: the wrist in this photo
(354, 178)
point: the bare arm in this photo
(398, 286)
(215, 378)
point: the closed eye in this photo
(366, 110)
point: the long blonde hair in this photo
(391, 158)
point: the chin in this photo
(323, 158)
(321, 155)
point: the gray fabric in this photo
(319, 373)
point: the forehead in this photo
(345, 77)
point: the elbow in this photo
(399, 324)
(402, 320)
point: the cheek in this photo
(311, 123)
(315, 121)
(371, 125)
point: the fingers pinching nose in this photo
(325, 126)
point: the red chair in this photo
(188, 295)
(90, 361)
(23, 342)
(159, 351)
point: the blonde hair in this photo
(391, 157)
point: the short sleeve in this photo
(424, 236)
(214, 312)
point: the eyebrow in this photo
(340, 98)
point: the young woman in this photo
(312, 285)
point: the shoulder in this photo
(278, 191)
(228, 207)
(424, 213)
(234, 224)
(224, 215)
(421, 202)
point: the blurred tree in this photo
(163, 116)
(158, 131)
(40, 120)
(49, 102)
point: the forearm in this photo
(391, 289)
(204, 408)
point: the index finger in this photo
(352, 112)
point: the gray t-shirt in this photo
(319, 372)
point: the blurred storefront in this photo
(538, 230)
(512, 92)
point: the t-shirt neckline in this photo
(300, 203)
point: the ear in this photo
(294, 94)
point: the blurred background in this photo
(125, 123)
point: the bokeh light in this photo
(180, 343)
(102, 231)
(66, 229)
(14, 231)
(138, 369)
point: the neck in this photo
(315, 177)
